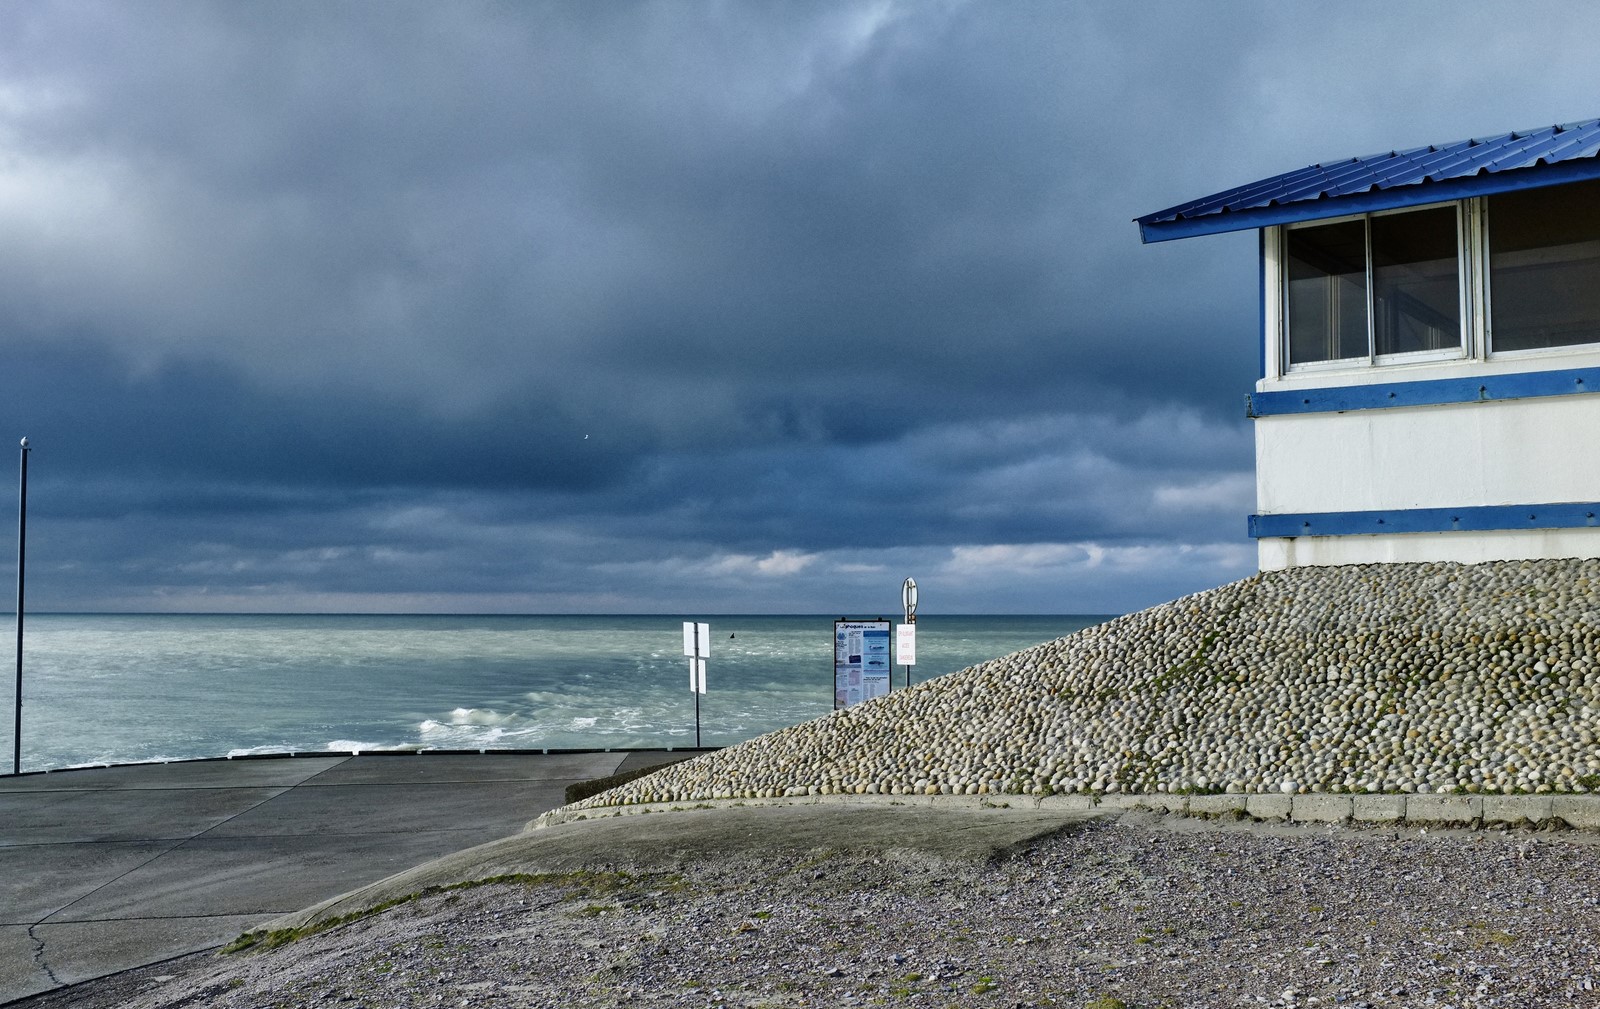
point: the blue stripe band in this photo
(1522, 385)
(1482, 518)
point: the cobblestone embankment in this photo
(1399, 678)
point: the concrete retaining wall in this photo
(1580, 812)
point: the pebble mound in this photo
(1370, 678)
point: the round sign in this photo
(908, 595)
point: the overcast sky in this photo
(672, 307)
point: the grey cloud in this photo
(301, 302)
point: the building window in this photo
(1327, 296)
(1544, 267)
(1375, 287)
(1416, 287)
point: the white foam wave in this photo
(256, 751)
(481, 716)
(335, 745)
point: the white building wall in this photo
(1513, 452)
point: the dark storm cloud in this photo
(655, 306)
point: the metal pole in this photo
(22, 556)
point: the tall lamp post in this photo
(22, 555)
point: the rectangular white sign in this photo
(905, 644)
(696, 639)
(697, 675)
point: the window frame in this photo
(1467, 286)
(1485, 252)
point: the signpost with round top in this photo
(906, 642)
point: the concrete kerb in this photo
(1580, 812)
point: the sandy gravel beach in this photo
(1136, 910)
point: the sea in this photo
(108, 689)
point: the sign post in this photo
(22, 554)
(906, 642)
(697, 646)
(860, 660)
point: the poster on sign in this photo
(860, 661)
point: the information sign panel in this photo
(860, 661)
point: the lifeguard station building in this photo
(1430, 367)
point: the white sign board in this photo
(905, 644)
(696, 640)
(697, 646)
(860, 661)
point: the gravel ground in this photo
(1139, 910)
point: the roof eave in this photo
(1481, 184)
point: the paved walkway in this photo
(105, 869)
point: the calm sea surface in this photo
(118, 688)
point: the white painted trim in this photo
(1459, 547)
(1272, 282)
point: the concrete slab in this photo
(37, 880)
(1165, 803)
(182, 774)
(20, 974)
(1378, 808)
(1443, 808)
(1581, 811)
(370, 769)
(260, 875)
(1517, 808)
(335, 810)
(117, 814)
(1073, 803)
(1217, 805)
(78, 951)
(1321, 808)
(1267, 806)
(119, 867)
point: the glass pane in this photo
(1416, 290)
(1544, 267)
(1327, 311)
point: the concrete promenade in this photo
(104, 869)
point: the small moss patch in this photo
(583, 883)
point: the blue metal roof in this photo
(1510, 161)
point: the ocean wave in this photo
(482, 716)
(353, 745)
(256, 751)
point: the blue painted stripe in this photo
(1523, 385)
(1408, 195)
(1481, 518)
